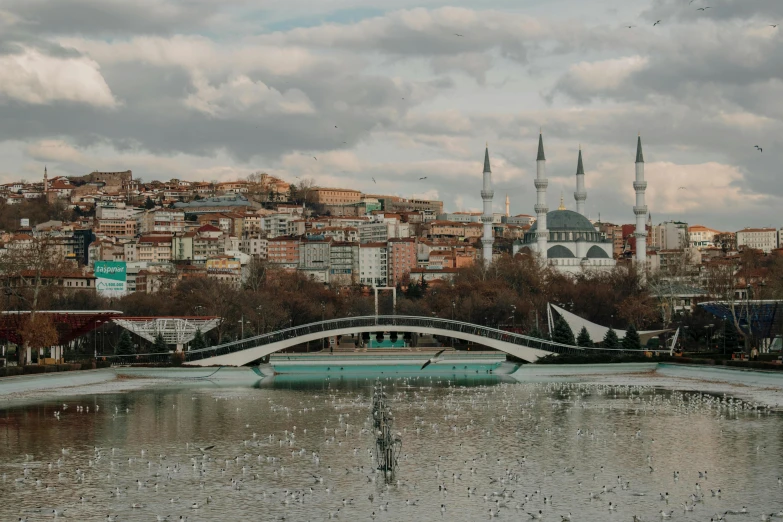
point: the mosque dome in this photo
(565, 221)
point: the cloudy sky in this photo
(216, 89)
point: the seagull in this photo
(773, 25)
(373, 180)
(703, 8)
(760, 149)
(457, 34)
(630, 26)
(316, 159)
(206, 448)
(425, 177)
(656, 23)
(682, 188)
(432, 360)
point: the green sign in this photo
(111, 277)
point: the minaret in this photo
(486, 218)
(640, 209)
(542, 234)
(581, 194)
(46, 181)
(508, 206)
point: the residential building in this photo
(376, 232)
(161, 220)
(343, 263)
(702, 237)
(225, 268)
(373, 264)
(334, 196)
(283, 251)
(153, 249)
(314, 258)
(764, 239)
(401, 259)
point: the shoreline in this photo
(765, 388)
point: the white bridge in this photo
(246, 351)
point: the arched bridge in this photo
(245, 351)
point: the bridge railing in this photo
(388, 322)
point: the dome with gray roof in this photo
(565, 220)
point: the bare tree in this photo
(28, 266)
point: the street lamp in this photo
(95, 341)
(513, 316)
(242, 327)
(323, 314)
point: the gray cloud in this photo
(724, 10)
(113, 18)
(701, 93)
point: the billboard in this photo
(111, 277)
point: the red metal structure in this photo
(70, 324)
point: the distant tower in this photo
(581, 194)
(640, 209)
(541, 183)
(508, 206)
(46, 181)
(562, 203)
(486, 218)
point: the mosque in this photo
(566, 239)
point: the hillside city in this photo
(335, 236)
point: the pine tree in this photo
(149, 204)
(198, 341)
(729, 336)
(610, 339)
(584, 339)
(536, 333)
(631, 341)
(125, 344)
(160, 345)
(562, 332)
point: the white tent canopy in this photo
(596, 331)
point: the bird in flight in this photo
(656, 23)
(316, 159)
(373, 180)
(703, 8)
(759, 148)
(773, 25)
(630, 26)
(431, 360)
(425, 177)
(682, 188)
(457, 34)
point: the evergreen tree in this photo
(610, 339)
(562, 332)
(631, 341)
(424, 285)
(729, 336)
(125, 344)
(198, 341)
(584, 339)
(536, 333)
(149, 204)
(160, 345)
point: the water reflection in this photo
(299, 448)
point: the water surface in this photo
(534, 441)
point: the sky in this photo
(344, 91)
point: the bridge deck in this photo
(248, 350)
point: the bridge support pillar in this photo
(394, 297)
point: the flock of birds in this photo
(536, 451)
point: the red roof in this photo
(209, 228)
